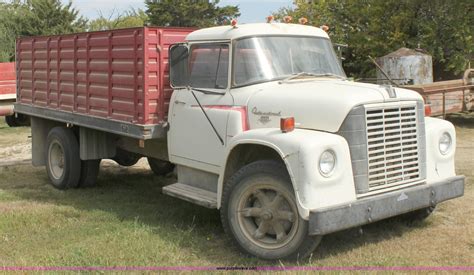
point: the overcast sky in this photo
(252, 10)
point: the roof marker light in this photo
(287, 19)
(303, 21)
(270, 18)
(325, 28)
(233, 23)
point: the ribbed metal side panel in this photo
(119, 74)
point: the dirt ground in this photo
(126, 221)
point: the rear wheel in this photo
(17, 120)
(63, 164)
(10, 120)
(261, 215)
(160, 167)
(89, 172)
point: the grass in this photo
(126, 221)
(10, 136)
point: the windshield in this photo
(260, 59)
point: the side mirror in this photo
(179, 56)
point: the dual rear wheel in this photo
(63, 165)
(66, 170)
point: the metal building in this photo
(406, 66)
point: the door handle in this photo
(179, 102)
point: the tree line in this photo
(442, 28)
(50, 17)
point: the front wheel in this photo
(261, 215)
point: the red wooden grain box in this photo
(119, 74)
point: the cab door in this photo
(192, 141)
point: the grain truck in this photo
(259, 121)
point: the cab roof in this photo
(230, 33)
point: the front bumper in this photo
(371, 209)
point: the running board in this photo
(192, 194)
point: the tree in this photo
(189, 13)
(376, 27)
(131, 18)
(35, 17)
(50, 17)
(7, 31)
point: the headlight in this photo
(327, 162)
(445, 142)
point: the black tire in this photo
(22, 120)
(10, 120)
(417, 215)
(126, 158)
(17, 120)
(160, 167)
(245, 212)
(89, 173)
(63, 164)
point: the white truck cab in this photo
(265, 126)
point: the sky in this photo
(252, 11)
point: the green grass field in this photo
(126, 221)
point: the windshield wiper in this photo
(302, 74)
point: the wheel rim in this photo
(267, 216)
(56, 160)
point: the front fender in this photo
(300, 150)
(438, 166)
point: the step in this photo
(192, 194)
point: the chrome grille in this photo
(392, 144)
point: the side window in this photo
(209, 65)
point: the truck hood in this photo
(315, 104)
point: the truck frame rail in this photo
(133, 130)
